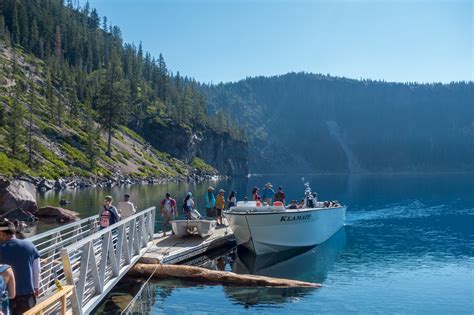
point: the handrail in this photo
(34, 238)
(97, 262)
(108, 229)
(58, 297)
(49, 243)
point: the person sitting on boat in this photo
(309, 202)
(327, 204)
(301, 204)
(268, 194)
(335, 204)
(280, 195)
(188, 205)
(255, 195)
(232, 199)
(293, 205)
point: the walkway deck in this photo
(171, 249)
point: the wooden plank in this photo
(57, 297)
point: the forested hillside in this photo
(73, 90)
(304, 123)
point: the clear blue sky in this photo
(228, 40)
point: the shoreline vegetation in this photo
(77, 103)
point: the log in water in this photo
(160, 271)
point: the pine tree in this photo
(34, 38)
(112, 99)
(92, 136)
(2, 26)
(57, 45)
(16, 130)
(162, 78)
(31, 109)
(16, 25)
(50, 95)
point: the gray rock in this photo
(60, 214)
(20, 215)
(17, 194)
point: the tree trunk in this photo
(206, 275)
(109, 141)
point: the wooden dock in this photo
(171, 249)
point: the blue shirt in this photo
(210, 200)
(20, 254)
(268, 193)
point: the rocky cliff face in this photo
(227, 155)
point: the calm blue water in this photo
(407, 247)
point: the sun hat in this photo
(210, 188)
(221, 190)
(269, 185)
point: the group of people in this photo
(268, 195)
(109, 214)
(215, 204)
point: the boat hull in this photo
(266, 232)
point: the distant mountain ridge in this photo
(303, 122)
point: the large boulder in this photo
(20, 215)
(17, 194)
(60, 214)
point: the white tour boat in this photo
(265, 229)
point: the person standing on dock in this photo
(220, 205)
(210, 203)
(126, 208)
(108, 214)
(188, 205)
(24, 259)
(168, 211)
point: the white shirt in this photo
(126, 209)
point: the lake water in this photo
(407, 247)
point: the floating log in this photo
(160, 271)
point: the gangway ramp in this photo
(92, 260)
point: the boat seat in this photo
(278, 204)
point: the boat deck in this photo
(170, 249)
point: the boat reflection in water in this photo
(306, 264)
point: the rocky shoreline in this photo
(18, 196)
(43, 184)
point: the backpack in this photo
(113, 217)
(4, 291)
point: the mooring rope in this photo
(135, 298)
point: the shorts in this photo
(211, 212)
(167, 217)
(219, 212)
